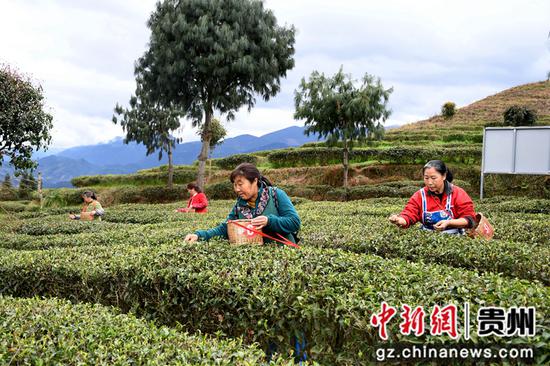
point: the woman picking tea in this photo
(269, 208)
(197, 200)
(91, 210)
(440, 205)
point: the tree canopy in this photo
(213, 55)
(152, 125)
(24, 125)
(217, 133)
(336, 109)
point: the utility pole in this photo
(40, 196)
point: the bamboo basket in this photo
(239, 236)
(482, 228)
(86, 216)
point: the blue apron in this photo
(430, 218)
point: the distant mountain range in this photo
(115, 157)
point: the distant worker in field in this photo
(197, 200)
(91, 210)
(440, 205)
(267, 207)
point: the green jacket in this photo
(282, 218)
(94, 206)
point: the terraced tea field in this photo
(129, 288)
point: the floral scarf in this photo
(249, 213)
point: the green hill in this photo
(388, 168)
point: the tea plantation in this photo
(128, 290)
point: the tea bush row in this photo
(395, 155)
(181, 176)
(55, 332)
(267, 293)
(519, 250)
(232, 161)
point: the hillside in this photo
(390, 167)
(115, 157)
(387, 168)
(489, 110)
(118, 153)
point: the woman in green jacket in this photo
(91, 210)
(268, 207)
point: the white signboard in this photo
(516, 150)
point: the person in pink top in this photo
(197, 202)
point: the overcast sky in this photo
(430, 52)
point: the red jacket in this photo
(198, 202)
(461, 205)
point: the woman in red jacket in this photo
(440, 205)
(197, 201)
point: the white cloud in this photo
(73, 129)
(259, 121)
(82, 54)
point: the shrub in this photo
(181, 176)
(372, 191)
(519, 116)
(448, 110)
(478, 139)
(305, 157)
(116, 195)
(164, 168)
(222, 190)
(519, 249)
(395, 155)
(61, 197)
(313, 192)
(153, 194)
(39, 227)
(232, 161)
(351, 260)
(454, 137)
(8, 194)
(13, 206)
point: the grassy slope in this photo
(490, 109)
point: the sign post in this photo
(515, 150)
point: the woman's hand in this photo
(442, 225)
(398, 220)
(259, 222)
(183, 210)
(191, 238)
